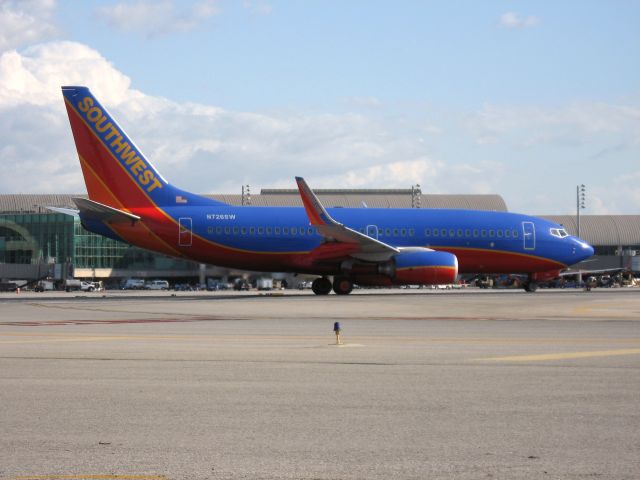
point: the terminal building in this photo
(36, 242)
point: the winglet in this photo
(315, 211)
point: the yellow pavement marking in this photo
(91, 477)
(562, 356)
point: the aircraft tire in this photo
(530, 287)
(342, 285)
(321, 286)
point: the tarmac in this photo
(428, 384)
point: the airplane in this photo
(130, 201)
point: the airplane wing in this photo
(338, 236)
(105, 213)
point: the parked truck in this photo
(72, 284)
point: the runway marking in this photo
(562, 356)
(57, 340)
(90, 477)
(27, 338)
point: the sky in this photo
(526, 99)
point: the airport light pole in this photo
(580, 203)
(416, 196)
(246, 195)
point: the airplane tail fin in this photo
(115, 171)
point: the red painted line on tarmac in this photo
(53, 323)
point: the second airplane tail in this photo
(115, 171)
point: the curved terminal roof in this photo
(602, 230)
(372, 198)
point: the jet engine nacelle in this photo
(417, 266)
(425, 267)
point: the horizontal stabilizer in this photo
(64, 210)
(98, 211)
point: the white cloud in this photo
(157, 18)
(514, 20)
(201, 148)
(204, 148)
(34, 77)
(26, 22)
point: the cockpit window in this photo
(558, 232)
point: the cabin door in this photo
(529, 235)
(372, 231)
(184, 231)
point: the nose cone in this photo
(582, 250)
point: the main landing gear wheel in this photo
(342, 285)
(530, 287)
(321, 286)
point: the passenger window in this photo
(499, 233)
(436, 232)
(452, 233)
(209, 229)
(467, 233)
(227, 230)
(260, 230)
(236, 230)
(443, 232)
(476, 232)
(243, 230)
(387, 232)
(218, 230)
(427, 232)
(285, 230)
(514, 233)
(310, 231)
(412, 232)
(507, 233)
(302, 230)
(492, 233)
(403, 232)
(252, 230)
(395, 232)
(483, 233)
(460, 232)
(269, 230)
(276, 230)
(294, 231)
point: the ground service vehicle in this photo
(133, 284)
(72, 284)
(157, 285)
